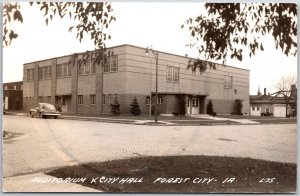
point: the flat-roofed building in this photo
(90, 88)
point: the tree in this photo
(286, 88)
(115, 107)
(92, 18)
(231, 29)
(135, 107)
(209, 108)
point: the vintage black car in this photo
(44, 110)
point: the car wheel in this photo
(43, 116)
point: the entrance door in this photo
(64, 106)
(192, 105)
(195, 105)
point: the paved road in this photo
(50, 143)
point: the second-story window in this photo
(93, 67)
(228, 81)
(172, 74)
(30, 74)
(41, 73)
(47, 72)
(111, 65)
(66, 70)
(87, 67)
(59, 70)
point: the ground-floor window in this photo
(267, 110)
(92, 99)
(79, 99)
(160, 100)
(147, 100)
(103, 99)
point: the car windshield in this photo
(48, 106)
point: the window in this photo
(41, 73)
(228, 82)
(87, 67)
(258, 108)
(109, 99)
(172, 74)
(30, 75)
(267, 110)
(58, 70)
(111, 65)
(114, 64)
(47, 72)
(92, 99)
(147, 100)
(175, 74)
(106, 67)
(160, 100)
(253, 108)
(235, 91)
(5, 88)
(15, 87)
(79, 99)
(66, 70)
(93, 66)
(103, 99)
(169, 73)
(188, 102)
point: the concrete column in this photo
(74, 86)
(36, 83)
(53, 80)
(99, 88)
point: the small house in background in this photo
(275, 104)
(13, 95)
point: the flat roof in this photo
(130, 45)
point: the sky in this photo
(142, 24)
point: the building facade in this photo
(13, 95)
(91, 88)
(270, 105)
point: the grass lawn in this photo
(141, 117)
(245, 117)
(185, 174)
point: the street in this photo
(49, 143)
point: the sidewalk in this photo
(198, 120)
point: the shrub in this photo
(115, 107)
(135, 107)
(209, 108)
